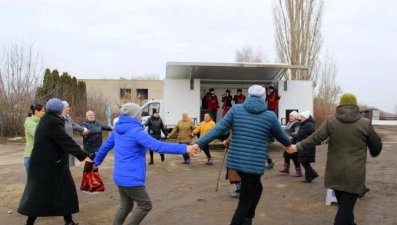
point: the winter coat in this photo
(184, 129)
(30, 128)
(94, 139)
(350, 135)
(204, 127)
(251, 124)
(212, 102)
(292, 129)
(155, 126)
(70, 125)
(307, 128)
(130, 142)
(50, 188)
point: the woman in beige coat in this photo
(350, 134)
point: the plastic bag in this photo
(91, 181)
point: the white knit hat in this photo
(131, 110)
(294, 114)
(306, 114)
(258, 91)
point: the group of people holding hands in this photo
(250, 122)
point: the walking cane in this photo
(220, 170)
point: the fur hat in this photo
(306, 114)
(131, 109)
(294, 114)
(348, 99)
(258, 91)
(54, 105)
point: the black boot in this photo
(151, 157)
(247, 221)
(162, 157)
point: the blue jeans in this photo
(26, 163)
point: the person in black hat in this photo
(155, 127)
(227, 102)
(213, 103)
(239, 98)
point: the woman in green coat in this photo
(350, 135)
(50, 189)
(30, 128)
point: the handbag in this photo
(91, 181)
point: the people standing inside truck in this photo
(272, 100)
(202, 129)
(308, 156)
(213, 104)
(155, 127)
(227, 102)
(350, 135)
(184, 127)
(250, 122)
(239, 98)
(37, 111)
(70, 126)
(292, 129)
(93, 140)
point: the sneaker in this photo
(235, 194)
(270, 165)
(187, 161)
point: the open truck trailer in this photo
(186, 83)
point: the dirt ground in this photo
(185, 194)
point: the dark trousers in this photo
(186, 156)
(346, 202)
(295, 160)
(151, 153)
(310, 173)
(250, 194)
(213, 114)
(206, 150)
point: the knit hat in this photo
(348, 99)
(258, 91)
(154, 110)
(65, 104)
(306, 114)
(294, 114)
(54, 105)
(131, 109)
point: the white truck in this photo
(186, 83)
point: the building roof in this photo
(244, 72)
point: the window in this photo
(148, 110)
(125, 93)
(142, 94)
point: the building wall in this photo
(108, 90)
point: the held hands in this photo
(192, 149)
(85, 131)
(291, 149)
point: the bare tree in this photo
(298, 36)
(247, 54)
(20, 75)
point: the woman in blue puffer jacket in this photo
(130, 142)
(251, 123)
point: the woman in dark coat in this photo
(308, 156)
(50, 189)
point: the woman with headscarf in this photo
(130, 141)
(50, 188)
(350, 135)
(306, 129)
(291, 130)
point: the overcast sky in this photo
(121, 38)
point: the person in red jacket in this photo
(213, 103)
(272, 100)
(239, 98)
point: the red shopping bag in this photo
(91, 180)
